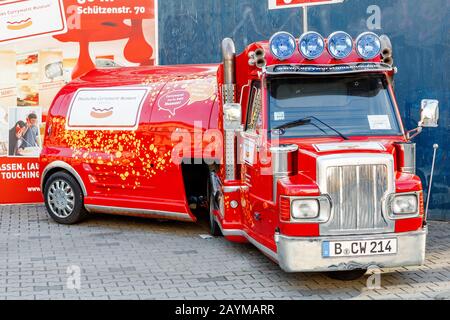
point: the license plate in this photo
(331, 249)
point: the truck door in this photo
(254, 168)
(250, 137)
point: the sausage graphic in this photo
(19, 25)
(102, 113)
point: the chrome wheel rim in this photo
(61, 199)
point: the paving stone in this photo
(123, 258)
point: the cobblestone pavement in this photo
(131, 258)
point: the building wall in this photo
(190, 31)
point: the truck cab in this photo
(325, 174)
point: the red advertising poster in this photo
(281, 4)
(44, 44)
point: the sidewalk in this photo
(130, 258)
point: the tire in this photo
(214, 228)
(350, 275)
(64, 199)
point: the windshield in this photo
(355, 105)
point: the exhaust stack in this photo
(386, 50)
(257, 58)
(232, 111)
(229, 70)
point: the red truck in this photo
(295, 145)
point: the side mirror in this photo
(429, 114)
(429, 117)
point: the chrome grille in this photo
(356, 193)
(358, 189)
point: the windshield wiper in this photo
(307, 121)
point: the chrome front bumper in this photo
(305, 254)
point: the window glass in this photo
(354, 105)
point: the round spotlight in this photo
(311, 45)
(282, 45)
(368, 45)
(340, 45)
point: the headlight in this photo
(368, 45)
(311, 45)
(405, 204)
(282, 45)
(305, 209)
(340, 45)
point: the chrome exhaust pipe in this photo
(257, 58)
(387, 52)
(232, 124)
(386, 46)
(261, 63)
(389, 61)
(229, 70)
(260, 53)
(260, 56)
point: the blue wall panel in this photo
(191, 32)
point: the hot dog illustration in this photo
(101, 113)
(19, 25)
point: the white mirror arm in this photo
(414, 133)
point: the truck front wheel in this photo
(350, 275)
(64, 199)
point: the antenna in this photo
(435, 147)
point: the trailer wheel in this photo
(64, 199)
(350, 275)
(214, 228)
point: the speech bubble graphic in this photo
(201, 90)
(173, 100)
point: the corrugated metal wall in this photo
(191, 32)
